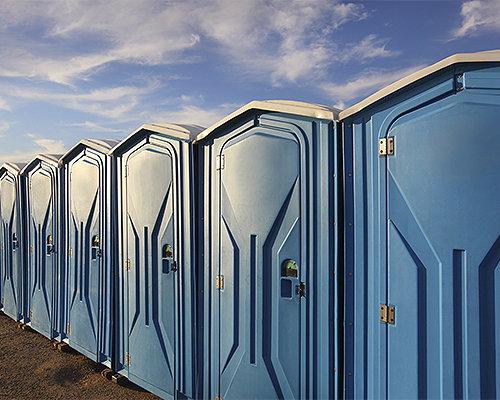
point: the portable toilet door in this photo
(43, 244)
(424, 235)
(89, 264)
(269, 252)
(12, 247)
(157, 276)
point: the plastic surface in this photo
(12, 240)
(423, 236)
(42, 188)
(268, 187)
(89, 289)
(157, 343)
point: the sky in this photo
(75, 69)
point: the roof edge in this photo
(460, 58)
(282, 106)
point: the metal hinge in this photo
(70, 176)
(220, 162)
(31, 187)
(218, 398)
(127, 265)
(387, 314)
(69, 329)
(386, 147)
(219, 282)
(71, 252)
(127, 172)
(127, 359)
(31, 249)
(31, 313)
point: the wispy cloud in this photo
(4, 126)
(48, 146)
(191, 114)
(77, 39)
(478, 16)
(4, 105)
(364, 85)
(369, 48)
(93, 127)
(114, 103)
(293, 39)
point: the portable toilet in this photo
(156, 307)
(12, 244)
(88, 226)
(269, 253)
(42, 190)
(422, 223)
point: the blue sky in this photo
(74, 69)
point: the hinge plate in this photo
(387, 314)
(31, 313)
(127, 265)
(69, 328)
(126, 171)
(386, 146)
(220, 162)
(31, 249)
(219, 282)
(128, 359)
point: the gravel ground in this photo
(31, 367)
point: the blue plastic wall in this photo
(269, 202)
(89, 249)
(44, 245)
(12, 241)
(156, 277)
(423, 236)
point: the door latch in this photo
(301, 290)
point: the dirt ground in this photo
(32, 368)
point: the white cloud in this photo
(76, 39)
(478, 16)
(114, 103)
(190, 114)
(50, 146)
(286, 40)
(370, 47)
(4, 126)
(4, 105)
(364, 85)
(93, 127)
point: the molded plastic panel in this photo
(151, 192)
(43, 233)
(422, 235)
(260, 227)
(157, 279)
(444, 251)
(12, 246)
(89, 278)
(269, 284)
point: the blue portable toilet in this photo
(43, 244)
(12, 243)
(269, 252)
(422, 225)
(88, 226)
(156, 307)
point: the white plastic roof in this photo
(484, 56)
(281, 106)
(14, 168)
(52, 159)
(177, 131)
(102, 145)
